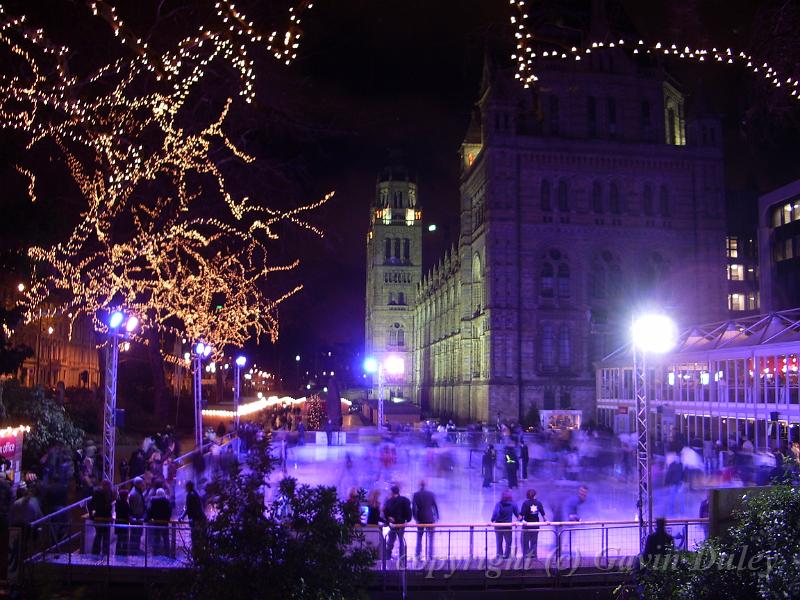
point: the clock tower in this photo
(394, 269)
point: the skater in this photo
(329, 432)
(425, 512)
(504, 512)
(511, 465)
(532, 510)
(487, 465)
(397, 512)
(524, 457)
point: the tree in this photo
(166, 229)
(303, 545)
(757, 559)
(50, 424)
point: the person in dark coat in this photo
(138, 512)
(100, 509)
(425, 512)
(196, 513)
(329, 432)
(532, 512)
(524, 458)
(487, 465)
(511, 466)
(658, 543)
(123, 519)
(397, 512)
(137, 464)
(159, 514)
(505, 511)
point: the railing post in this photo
(146, 544)
(605, 536)
(449, 531)
(471, 542)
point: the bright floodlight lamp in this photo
(133, 323)
(241, 361)
(370, 365)
(297, 358)
(394, 365)
(654, 333)
(200, 349)
(186, 356)
(116, 319)
(207, 350)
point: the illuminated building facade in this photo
(779, 247)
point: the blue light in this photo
(116, 319)
(241, 361)
(370, 365)
(200, 348)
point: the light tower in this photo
(200, 351)
(115, 331)
(651, 334)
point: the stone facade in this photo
(394, 270)
(583, 201)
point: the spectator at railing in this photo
(531, 510)
(425, 512)
(159, 514)
(100, 512)
(196, 513)
(122, 511)
(138, 511)
(504, 512)
(397, 511)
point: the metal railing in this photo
(44, 532)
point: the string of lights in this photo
(525, 56)
(145, 178)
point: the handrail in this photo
(85, 500)
(540, 523)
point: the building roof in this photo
(775, 329)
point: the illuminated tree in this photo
(162, 230)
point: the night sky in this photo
(377, 81)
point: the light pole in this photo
(110, 389)
(239, 363)
(393, 366)
(655, 334)
(201, 351)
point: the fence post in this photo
(471, 542)
(146, 544)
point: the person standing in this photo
(329, 432)
(397, 512)
(301, 432)
(658, 543)
(674, 481)
(196, 513)
(487, 465)
(532, 512)
(138, 510)
(100, 511)
(511, 465)
(122, 518)
(504, 512)
(425, 512)
(524, 457)
(159, 514)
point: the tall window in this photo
(597, 197)
(401, 298)
(613, 198)
(397, 335)
(546, 281)
(477, 283)
(672, 133)
(736, 272)
(545, 195)
(664, 201)
(564, 346)
(387, 249)
(736, 302)
(553, 116)
(591, 116)
(732, 243)
(401, 337)
(647, 199)
(563, 199)
(611, 111)
(406, 254)
(397, 248)
(563, 281)
(548, 346)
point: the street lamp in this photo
(115, 321)
(201, 351)
(393, 365)
(239, 363)
(654, 334)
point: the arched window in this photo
(401, 337)
(563, 198)
(401, 298)
(564, 346)
(664, 201)
(397, 248)
(392, 300)
(406, 249)
(477, 283)
(563, 281)
(613, 198)
(546, 284)
(597, 197)
(545, 195)
(387, 250)
(647, 199)
(397, 336)
(548, 346)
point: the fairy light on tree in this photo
(162, 231)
